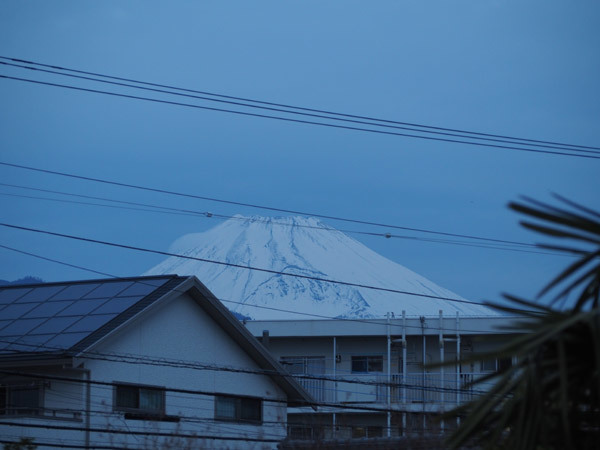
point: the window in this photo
(504, 364)
(367, 432)
(133, 398)
(493, 365)
(238, 409)
(488, 365)
(365, 364)
(20, 399)
(300, 432)
(304, 365)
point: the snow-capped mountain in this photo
(303, 246)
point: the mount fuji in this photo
(308, 247)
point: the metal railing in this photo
(414, 388)
(30, 411)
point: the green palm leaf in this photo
(550, 398)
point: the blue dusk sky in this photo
(527, 69)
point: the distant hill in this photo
(25, 280)
(309, 248)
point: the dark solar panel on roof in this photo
(118, 304)
(16, 310)
(91, 323)
(27, 343)
(55, 325)
(45, 318)
(47, 309)
(20, 327)
(10, 295)
(6, 342)
(64, 341)
(40, 294)
(75, 291)
(83, 306)
(142, 288)
(109, 289)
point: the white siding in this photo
(177, 330)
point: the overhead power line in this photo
(296, 111)
(341, 406)
(348, 378)
(256, 206)
(422, 128)
(270, 308)
(308, 122)
(126, 431)
(207, 215)
(60, 444)
(238, 266)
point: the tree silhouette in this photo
(549, 398)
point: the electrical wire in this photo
(255, 206)
(198, 366)
(238, 266)
(138, 433)
(307, 122)
(208, 215)
(290, 107)
(305, 114)
(318, 316)
(197, 392)
(76, 402)
(61, 444)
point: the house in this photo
(368, 374)
(136, 362)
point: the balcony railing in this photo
(429, 388)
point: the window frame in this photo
(7, 408)
(134, 412)
(238, 409)
(488, 366)
(367, 432)
(299, 432)
(308, 364)
(368, 360)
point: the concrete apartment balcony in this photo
(435, 390)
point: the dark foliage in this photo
(550, 397)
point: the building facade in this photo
(147, 362)
(372, 378)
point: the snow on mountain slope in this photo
(301, 246)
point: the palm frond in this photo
(550, 398)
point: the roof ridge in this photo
(91, 280)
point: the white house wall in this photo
(177, 330)
(181, 330)
(62, 406)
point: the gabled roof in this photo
(68, 317)
(62, 320)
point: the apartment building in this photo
(373, 377)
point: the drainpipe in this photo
(442, 380)
(265, 339)
(423, 357)
(423, 360)
(389, 377)
(88, 394)
(458, 365)
(404, 372)
(335, 383)
(88, 389)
